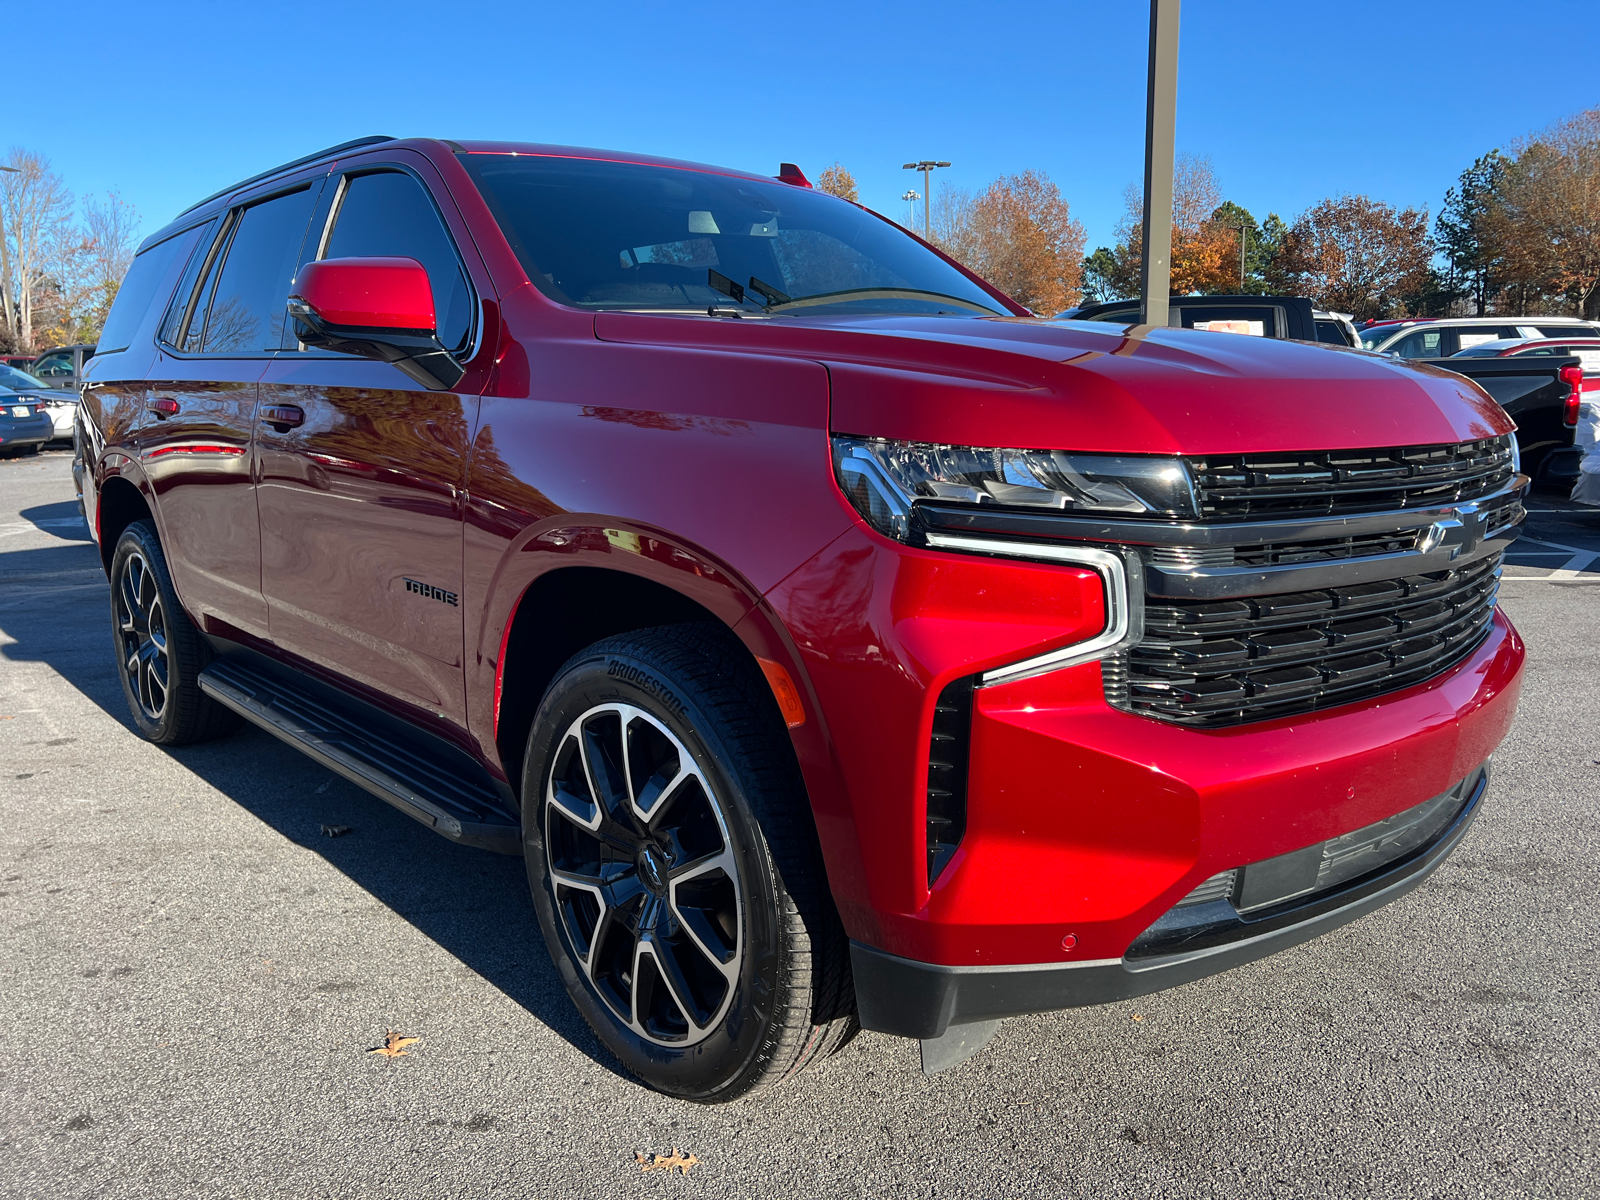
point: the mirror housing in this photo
(380, 308)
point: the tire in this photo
(159, 652)
(689, 916)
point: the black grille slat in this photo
(1346, 481)
(1224, 663)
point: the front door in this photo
(362, 472)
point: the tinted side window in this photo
(249, 302)
(173, 325)
(1555, 331)
(138, 291)
(389, 214)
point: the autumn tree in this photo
(1020, 235)
(837, 181)
(1205, 252)
(1357, 255)
(1545, 225)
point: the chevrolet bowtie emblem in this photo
(1460, 534)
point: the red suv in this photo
(837, 643)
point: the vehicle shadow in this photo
(62, 520)
(473, 904)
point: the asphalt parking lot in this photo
(191, 976)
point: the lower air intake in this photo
(948, 748)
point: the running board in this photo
(420, 785)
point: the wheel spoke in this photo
(607, 781)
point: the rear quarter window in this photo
(146, 283)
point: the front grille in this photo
(1224, 662)
(1338, 482)
(1277, 554)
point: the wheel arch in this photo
(119, 502)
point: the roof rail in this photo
(298, 162)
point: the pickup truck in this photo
(1541, 394)
(839, 645)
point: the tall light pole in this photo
(927, 166)
(1160, 119)
(5, 270)
(910, 197)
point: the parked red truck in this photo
(837, 642)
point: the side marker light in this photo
(784, 692)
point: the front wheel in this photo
(674, 866)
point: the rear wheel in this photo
(675, 870)
(160, 653)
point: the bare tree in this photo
(38, 229)
(1205, 250)
(113, 236)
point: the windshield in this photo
(17, 380)
(608, 235)
(1372, 338)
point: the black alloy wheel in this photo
(160, 653)
(674, 866)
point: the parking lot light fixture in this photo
(927, 166)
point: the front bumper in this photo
(913, 999)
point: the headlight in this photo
(1516, 454)
(884, 479)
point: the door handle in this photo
(162, 408)
(283, 417)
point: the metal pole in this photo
(927, 202)
(1160, 118)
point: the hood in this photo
(1097, 387)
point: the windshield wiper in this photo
(771, 294)
(879, 293)
(721, 283)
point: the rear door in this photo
(221, 332)
(361, 494)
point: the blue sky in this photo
(166, 103)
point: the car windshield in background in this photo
(609, 235)
(17, 380)
(1371, 338)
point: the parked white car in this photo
(1430, 338)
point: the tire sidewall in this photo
(140, 537)
(741, 1038)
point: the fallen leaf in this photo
(665, 1162)
(1137, 1017)
(394, 1046)
(335, 830)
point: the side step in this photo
(423, 786)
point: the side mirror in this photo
(378, 308)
